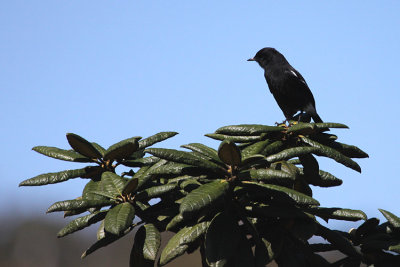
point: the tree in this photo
(246, 204)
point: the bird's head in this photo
(266, 56)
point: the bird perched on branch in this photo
(286, 84)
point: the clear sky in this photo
(109, 70)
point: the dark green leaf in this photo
(156, 191)
(99, 148)
(183, 157)
(77, 204)
(204, 150)
(236, 139)
(272, 176)
(324, 179)
(273, 148)
(254, 149)
(302, 128)
(90, 189)
(392, 219)
(130, 186)
(145, 175)
(54, 177)
(62, 154)
(82, 222)
(348, 150)
(338, 214)
(112, 183)
(322, 125)
(173, 168)
(155, 139)
(229, 153)
(222, 239)
(180, 242)
(175, 221)
(203, 197)
(83, 146)
(146, 245)
(152, 241)
(122, 149)
(141, 162)
(290, 153)
(119, 218)
(248, 129)
(281, 193)
(332, 153)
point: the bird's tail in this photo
(316, 117)
(313, 112)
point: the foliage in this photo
(247, 203)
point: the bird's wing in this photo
(297, 87)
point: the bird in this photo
(287, 85)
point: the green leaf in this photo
(77, 204)
(348, 150)
(203, 197)
(175, 221)
(272, 176)
(112, 183)
(236, 139)
(100, 234)
(273, 148)
(122, 149)
(183, 157)
(392, 219)
(326, 151)
(290, 153)
(130, 186)
(204, 150)
(90, 189)
(254, 149)
(53, 177)
(82, 222)
(145, 174)
(302, 128)
(62, 154)
(338, 214)
(148, 240)
(83, 146)
(173, 168)
(248, 129)
(324, 179)
(222, 239)
(119, 218)
(180, 242)
(322, 125)
(229, 153)
(99, 148)
(280, 193)
(156, 191)
(141, 162)
(155, 139)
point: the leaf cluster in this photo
(247, 203)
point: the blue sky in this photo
(112, 70)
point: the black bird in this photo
(286, 84)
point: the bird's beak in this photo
(251, 59)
